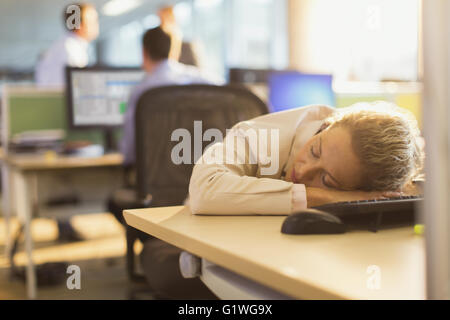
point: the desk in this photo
(302, 267)
(22, 171)
(40, 162)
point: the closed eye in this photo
(312, 153)
(325, 183)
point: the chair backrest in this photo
(161, 111)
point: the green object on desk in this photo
(419, 229)
(123, 107)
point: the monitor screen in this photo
(292, 89)
(97, 97)
(240, 75)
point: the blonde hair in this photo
(385, 139)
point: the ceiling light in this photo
(118, 7)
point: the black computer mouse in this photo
(311, 221)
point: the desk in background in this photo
(19, 185)
(29, 107)
(301, 267)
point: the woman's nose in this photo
(306, 172)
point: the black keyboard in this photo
(376, 214)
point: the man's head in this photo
(156, 47)
(365, 147)
(88, 28)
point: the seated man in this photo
(160, 71)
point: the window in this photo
(366, 40)
(225, 33)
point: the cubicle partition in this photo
(30, 108)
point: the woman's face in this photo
(327, 161)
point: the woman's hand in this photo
(318, 196)
(413, 188)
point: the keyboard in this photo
(375, 214)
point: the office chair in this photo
(161, 111)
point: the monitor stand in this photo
(109, 141)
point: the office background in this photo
(354, 41)
(354, 44)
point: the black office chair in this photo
(161, 111)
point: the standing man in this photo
(72, 48)
(69, 50)
(182, 51)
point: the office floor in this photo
(100, 258)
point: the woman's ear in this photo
(323, 127)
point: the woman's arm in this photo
(233, 189)
(318, 196)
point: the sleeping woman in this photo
(287, 161)
(284, 162)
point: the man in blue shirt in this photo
(160, 71)
(72, 49)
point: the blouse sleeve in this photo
(219, 186)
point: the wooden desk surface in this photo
(304, 267)
(43, 162)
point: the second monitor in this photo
(291, 89)
(97, 97)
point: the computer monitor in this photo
(97, 97)
(247, 76)
(291, 89)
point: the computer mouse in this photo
(311, 221)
